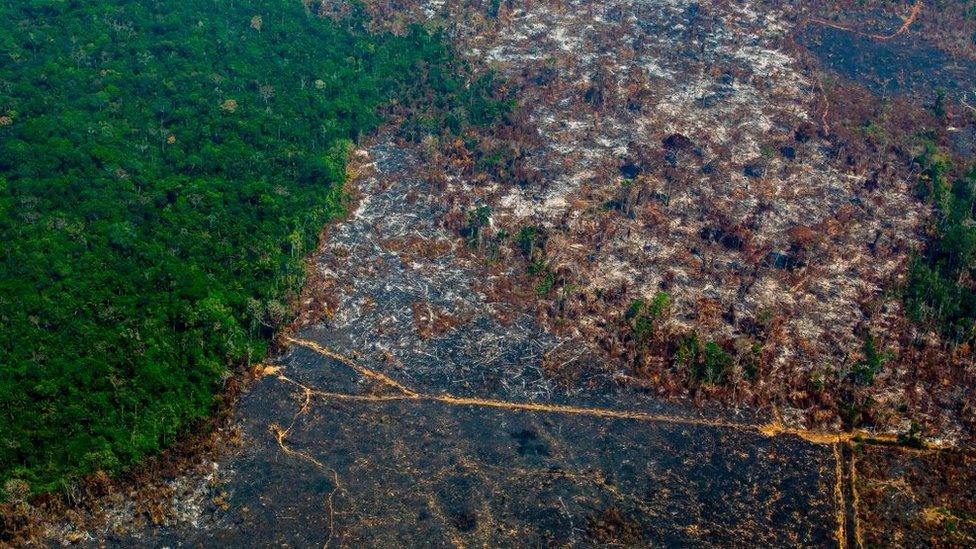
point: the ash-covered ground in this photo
(432, 425)
(452, 384)
(691, 149)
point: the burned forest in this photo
(561, 273)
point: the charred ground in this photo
(663, 303)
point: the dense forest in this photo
(939, 290)
(164, 166)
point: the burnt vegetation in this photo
(689, 214)
(164, 170)
(666, 215)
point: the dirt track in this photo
(417, 408)
(444, 447)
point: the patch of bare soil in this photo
(916, 499)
